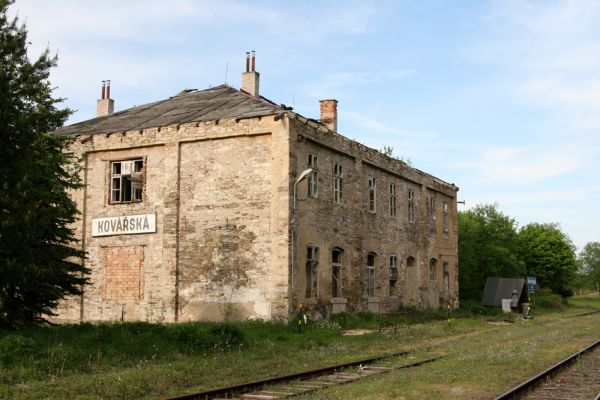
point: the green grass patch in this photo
(140, 360)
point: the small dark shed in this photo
(497, 289)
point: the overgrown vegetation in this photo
(142, 360)
(491, 245)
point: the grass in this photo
(139, 360)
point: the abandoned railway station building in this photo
(219, 203)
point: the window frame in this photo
(393, 273)
(336, 273)
(372, 190)
(312, 269)
(338, 183)
(411, 206)
(313, 179)
(446, 275)
(371, 257)
(445, 216)
(432, 269)
(393, 200)
(130, 179)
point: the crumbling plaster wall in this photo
(351, 227)
(219, 192)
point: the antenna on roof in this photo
(226, 71)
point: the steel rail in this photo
(253, 385)
(521, 389)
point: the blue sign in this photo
(531, 281)
(531, 289)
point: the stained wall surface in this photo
(219, 249)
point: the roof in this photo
(497, 289)
(215, 103)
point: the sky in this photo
(501, 98)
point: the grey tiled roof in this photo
(188, 106)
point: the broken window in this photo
(432, 268)
(411, 205)
(393, 273)
(432, 210)
(445, 211)
(372, 188)
(336, 273)
(126, 181)
(446, 276)
(313, 190)
(338, 180)
(393, 200)
(312, 264)
(371, 275)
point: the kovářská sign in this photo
(124, 225)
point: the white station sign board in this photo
(124, 225)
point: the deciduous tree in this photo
(487, 247)
(549, 255)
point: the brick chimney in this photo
(250, 78)
(329, 113)
(105, 105)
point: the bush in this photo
(15, 348)
(547, 299)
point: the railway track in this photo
(304, 382)
(576, 377)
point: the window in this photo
(313, 190)
(411, 205)
(393, 273)
(336, 273)
(392, 200)
(445, 211)
(126, 178)
(432, 267)
(338, 180)
(446, 277)
(312, 264)
(371, 275)
(410, 261)
(432, 210)
(372, 188)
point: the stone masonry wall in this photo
(352, 228)
(219, 190)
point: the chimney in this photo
(329, 113)
(250, 78)
(105, 105)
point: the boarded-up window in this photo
(123, 272)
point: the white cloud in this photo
(336, 84)
(376, 126)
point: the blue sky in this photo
(501, 98)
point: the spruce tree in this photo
(39, 261)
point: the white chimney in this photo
(250, 78)
(105, 105)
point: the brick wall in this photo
(123, 272)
